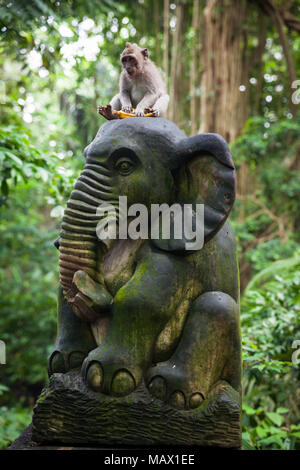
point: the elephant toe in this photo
(158, 387)
(61, 361)
(177, 400)
(101, 375)
(94, 376)
(76, 359)
(123, 383)
(169, 382)
(56, 363)
(195, 400)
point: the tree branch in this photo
(281, 18)
(269, 8)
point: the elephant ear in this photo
(203, 173)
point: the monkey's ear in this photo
(145, 53)
(128, 45)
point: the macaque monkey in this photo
(141, 86)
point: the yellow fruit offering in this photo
(122, 115)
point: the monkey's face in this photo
(130, 64)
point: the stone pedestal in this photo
(68, 413)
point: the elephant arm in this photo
(140, 310)
(143, 306)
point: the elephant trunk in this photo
(78, 239)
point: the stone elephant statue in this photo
(149, 309)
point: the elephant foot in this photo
(209, 342)
(63, 361)
(170, 383)
(74, 342)
(108, 374)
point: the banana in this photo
(122, 115)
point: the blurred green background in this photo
(230, 68)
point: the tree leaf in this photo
(276, 418)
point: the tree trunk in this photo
(167, 40)
(259, 60)
(156, 5)
(224, 104)
(288, 57)
(194, 68)
(176, 62)
(282, 17)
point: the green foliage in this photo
(19, 15)
(270, 305)
(28, 277)
(278, 267)
(269, 431)
(270, 324)
(12, 422)
(269, 228)
(20, 160)
(272, 152)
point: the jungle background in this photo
(231, 67)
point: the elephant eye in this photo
(124, 166)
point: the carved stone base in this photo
(68, 412)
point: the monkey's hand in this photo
(153, 111)
(106, 112)
(126, 109)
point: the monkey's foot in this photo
(64, 360)
(139, 114)
(106, 370)
(106, 111)
(127, 109)
(170, 383)
(153, 111)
